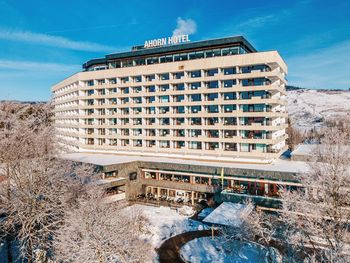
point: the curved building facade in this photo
(216, 99)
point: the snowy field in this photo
(306, 108)
(207, 250)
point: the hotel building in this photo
(217, 99)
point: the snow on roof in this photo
(304, 149)
(228, 214)
(104, 159)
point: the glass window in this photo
(229, 83)
(153, 60)
(179, 86)
(195, 74)
(229, 71)
(195, 109)
(196, 97)
(181, 57)
(139, 62)
(195, 85)
(213, 84)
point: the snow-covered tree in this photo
(102, 232)
(318, 215)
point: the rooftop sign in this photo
(166, 41)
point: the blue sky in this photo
(44, 41)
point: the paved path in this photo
(169, 251)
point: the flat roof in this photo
(174, 48)
(278, 165)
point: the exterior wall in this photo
(92, 118)
(136, 187)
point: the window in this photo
(150, 77)
(212, 84)
(179, 86)
(163, 99)
(153, 60)
(140, 62)
(179, 75)
(229, 96)
(164, 76)
(213, 108)
(164, 87)
(165, 59)
(195, 97)
(229, 71)
(229, 83)
(195, 109)
(229, 108)
(195, 74)
(213, 53)
(230, 51)
(212, 72)
(195, 85)
(181, 57)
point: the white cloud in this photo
(53, 41)
(184, 27)
(256, 22)
(37, 66)
(323, 68)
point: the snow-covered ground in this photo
(205, 249)
(307, 108)
(165, 222)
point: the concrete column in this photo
(192, 197)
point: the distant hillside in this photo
(308, 108)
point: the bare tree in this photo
(41, 191)
(253, 225)
(295, 136)
(318, 215)
(101, 232)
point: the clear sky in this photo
(44, 41)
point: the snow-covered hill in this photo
(308, 108)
